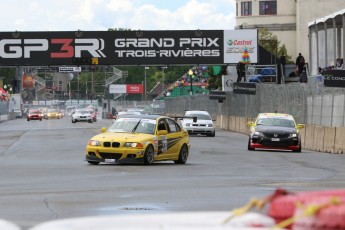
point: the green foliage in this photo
(271, 43)
(8, 75)
(214, 80)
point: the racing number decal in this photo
(164, 144)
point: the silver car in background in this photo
(203, 125)
(82, 115)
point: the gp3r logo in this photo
(23, 48)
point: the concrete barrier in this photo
(224, 120)
(237, 125)
(3, 118)
(177, 221)
(319, 134)
(243, 125)
(309, 137)
(6, 225)
(339, 143)
(329, 140)
(218, 119)
(232, 123)
(302, 133)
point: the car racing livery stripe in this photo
(171, 143)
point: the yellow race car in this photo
(140, 138)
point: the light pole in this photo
(146, 68)
(191, 73)
(163, 67)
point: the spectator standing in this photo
(283, 62)
(300, 62)
(241, 71)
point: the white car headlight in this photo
(94, 143)
(209, 125)
(187, 124)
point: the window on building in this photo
(268, 7)
(246, 8)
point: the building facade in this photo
(287, 19)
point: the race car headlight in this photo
(133, 145)
(94, 143)
(293, 135)
(257, 133)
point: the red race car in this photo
(34, 114)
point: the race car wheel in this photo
(183, 156)
(93, 162)
(148, 156)
(250, 148)
(299, 149)
(73, 121)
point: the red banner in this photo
(134, 88)
(28, 81)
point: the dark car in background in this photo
(275, 131)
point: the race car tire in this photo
(183, 155)
(41, 119)
(299, 149)
(73, 121)
(148, 155)
(28, 119)
(93, 162)
(250, 148)
(212, 134)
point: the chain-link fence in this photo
(3, 107)
(310, 103)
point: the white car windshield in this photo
(136, 125)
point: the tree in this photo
(270, 42)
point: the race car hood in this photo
(121, 137)
(275, 129)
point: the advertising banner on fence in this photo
(173, 47)
(244, 88)
(128, 89)
(334, 78)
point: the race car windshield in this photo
(275, 122)
(137, 125)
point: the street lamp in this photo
(191, 73)
(146, 67)
(163, 67)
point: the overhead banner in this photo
(172, 47)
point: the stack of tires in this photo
(314, 210)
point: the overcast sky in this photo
(95, 15)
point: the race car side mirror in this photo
(250, 123)
(300, 126)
